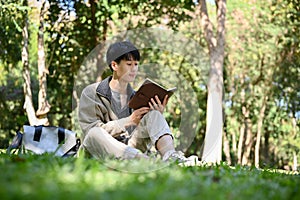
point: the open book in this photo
(147, 91)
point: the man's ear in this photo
(114, 65)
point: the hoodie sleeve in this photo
(95, 111)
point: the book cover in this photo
(148, 90)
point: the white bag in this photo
(42, 139)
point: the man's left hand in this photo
(155, 104)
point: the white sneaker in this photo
(174, 156)
(181, 159)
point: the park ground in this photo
(49, 177)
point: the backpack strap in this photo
(16, 142)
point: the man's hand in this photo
(155, 104)
(138, 114)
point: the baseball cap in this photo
(118, 49)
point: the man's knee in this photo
(94, 142)
(95, 134)
(153, 115)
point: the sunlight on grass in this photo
(48, 177)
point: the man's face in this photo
(127, 70)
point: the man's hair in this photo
(121, 51)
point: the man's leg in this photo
(153, 129)
(101, 144)
(165, 144)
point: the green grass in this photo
(48, 177)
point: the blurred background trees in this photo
(261, 70)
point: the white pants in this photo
(100, 144)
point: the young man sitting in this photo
(110, 127)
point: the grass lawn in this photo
(47, 177)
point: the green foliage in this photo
(91, 179)
(286, 77)
(286, 14)
(11, 106)
(256, 68)
(71, 39)
(262, 59)
(11, 15)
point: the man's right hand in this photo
(138, 114)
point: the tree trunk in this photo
(43, 105)
(259, 130)
(226, 149)
(242, 128)
(295, 160)
(28, 104)
(241, 144)
(213, 139)
(234, 147)
(248, 137)
(265, 148)
(248, 142)
(94, 23)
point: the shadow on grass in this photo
(49, 177)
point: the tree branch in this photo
(221, 16)
(207, 26)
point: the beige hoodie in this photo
(95, 110)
